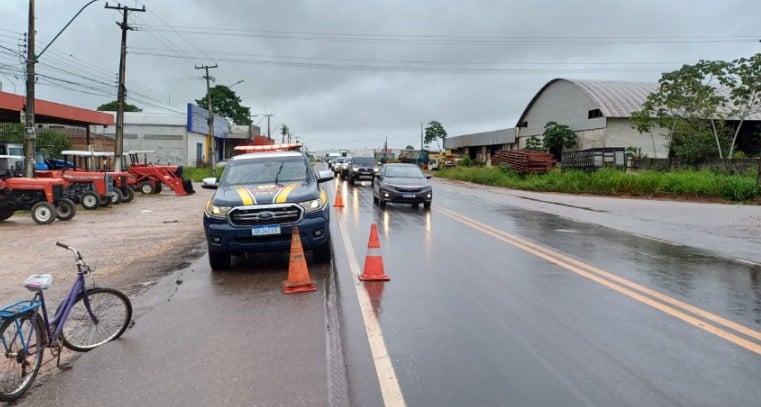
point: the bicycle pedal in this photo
(65, 366)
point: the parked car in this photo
(362, 168)
(402, 183)
(336, 166)
(259, 199)
(343, 171)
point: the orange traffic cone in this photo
(339, 199)
(373, 270)
(298, 273)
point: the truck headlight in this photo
(311, 205)
(217, 211)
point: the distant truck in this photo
(11, 159)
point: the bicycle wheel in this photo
(113, 311)
(19, 364)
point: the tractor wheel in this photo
(66, 209)
(90, 200)
(105, 201)
(5, 213)
(157, 189)
(129, 194)
(146, 188)
(43, 213)
(117, 197)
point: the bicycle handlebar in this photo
(77, 255)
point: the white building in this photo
(167, 135)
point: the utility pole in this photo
(212, 142)
(29, 145)
(268, 125)
(119, 140)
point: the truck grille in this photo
(265, 215)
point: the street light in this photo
(236, 83)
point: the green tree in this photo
(285, 131)
(556, 137)
(434, 132)
(409, 147)
(743, 81)
(687, 103)
(113, 106)
(226, 102)
(533, 143)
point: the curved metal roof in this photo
(613, 98)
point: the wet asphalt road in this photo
(494, 299)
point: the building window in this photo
(523, 124)
(594, 113)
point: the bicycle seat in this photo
(38, 282)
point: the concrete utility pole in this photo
(119, 141)
(213, 142)
(268, 125)
(31, 59)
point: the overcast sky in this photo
(348, 74)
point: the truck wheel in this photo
(66, 209)
(219, 260)
(43, 213)
(90, 200)
(382, 203)
(322, 254)
(146, 188)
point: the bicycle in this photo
(84, 320)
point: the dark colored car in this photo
(402, 183)
(258, 201)
(362, 168)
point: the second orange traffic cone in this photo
(298, 273)
(339, 199)
(373, 270)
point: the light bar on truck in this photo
(268, 147)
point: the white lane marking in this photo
(390, 390)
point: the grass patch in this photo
(682, 184)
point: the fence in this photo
(593, 159)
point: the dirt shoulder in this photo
(131, 244)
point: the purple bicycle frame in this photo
(64, 309)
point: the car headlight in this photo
(217, 211)
(310, 206)
(355, 169)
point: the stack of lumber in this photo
(524, 161)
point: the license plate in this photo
(408, 196)
(265, 230)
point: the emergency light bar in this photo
(268, 147)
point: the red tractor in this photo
(86, 183)
(124, 183)
(43, 197)
(151, 177)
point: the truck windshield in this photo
(276, 170)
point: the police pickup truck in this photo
(261, 196)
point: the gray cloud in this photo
(351, 73)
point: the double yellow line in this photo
(740, 335)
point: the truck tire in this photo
(323, 253)
(43, 213)
(219, 260)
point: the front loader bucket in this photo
(187, 185)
